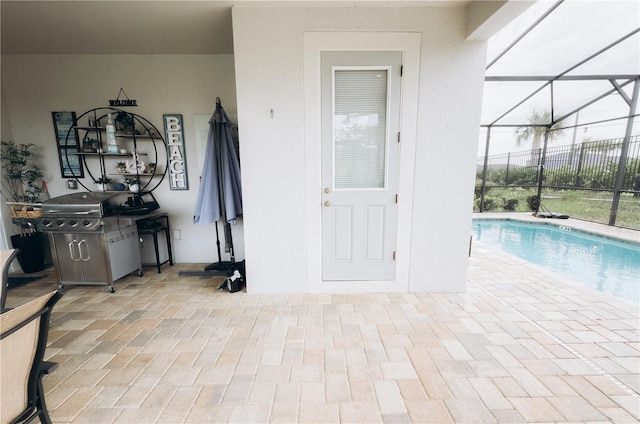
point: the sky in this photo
(575, 30)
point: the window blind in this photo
(359, 128)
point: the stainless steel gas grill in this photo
(92, 242)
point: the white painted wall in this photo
(269, 75)
(5, 134)
(268, 44)
(35, 85)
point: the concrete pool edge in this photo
(603, 230)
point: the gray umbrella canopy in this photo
(220, 184)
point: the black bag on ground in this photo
(235, 279)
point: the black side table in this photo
(153, 225)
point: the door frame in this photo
(314, 43)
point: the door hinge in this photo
(394, 255)
(401, 70)
(398, 136)
(396, 198)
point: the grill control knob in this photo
(59, 222)
(86, 223)
(46, 223)
(73, 222)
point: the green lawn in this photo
(588, 205)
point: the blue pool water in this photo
(607, 265)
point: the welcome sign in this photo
(174, 136)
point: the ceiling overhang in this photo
(179, 27)
(487, 18)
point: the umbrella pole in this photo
(218, 243)
(217, 268)
(229, 241)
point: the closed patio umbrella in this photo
(220, 192)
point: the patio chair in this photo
(6, 257)
(23, 340)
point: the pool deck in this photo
(580, 328)
(521, 345)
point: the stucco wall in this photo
(36, 85)
(268, 66)
(268, 44)
(5, 134)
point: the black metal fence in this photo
(590, 166)
(586, 166)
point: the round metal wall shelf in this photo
(138, 134)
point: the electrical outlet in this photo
(177, 234)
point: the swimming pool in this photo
(607, 265)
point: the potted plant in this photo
(21, 187)
(134, 184)
(23, 179)
(102, 183)
(121, 167)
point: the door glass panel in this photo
(359, 128)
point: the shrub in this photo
(490, 203)
(510, 205)
(533, 203)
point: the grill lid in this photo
(95, 203)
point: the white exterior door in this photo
(359, 171)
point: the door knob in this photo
(327, 203)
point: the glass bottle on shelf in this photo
(111, 135)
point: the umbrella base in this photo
(202, 273)
(212, 270)
(219, 266)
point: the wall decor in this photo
(174, 136)
(123, 102)
(65, 127)
(140, 144)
